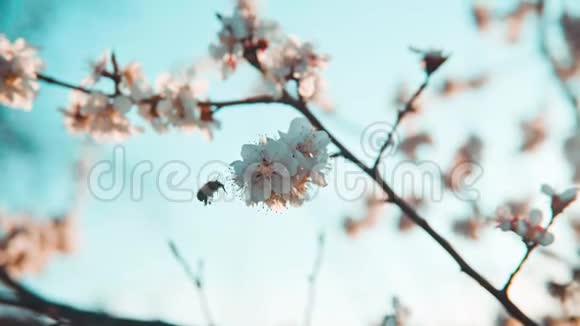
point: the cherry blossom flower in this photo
(410, 144)
(295, 60)
(374, 208)
(432, 59)
(279, 172)
(465, 158)
(534, 132)
(242, 32)
(179, 107)
(472, 226)
(19, 63)
(98, 69)
(482, 16)
(528, 228)
(308, 147)
(133, 82)
(400, 316)
(265, 172)
(455, 86)
(26, 245)
(559, 202)
(101, 117)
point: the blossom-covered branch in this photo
(276, 171)
(531, 231)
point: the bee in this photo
(208, 190)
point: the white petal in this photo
(546, 239)
(535, 217)
(122, 104)
(251, 152)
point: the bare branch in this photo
(61, 83)
(25, 298)
(409, 107)
(311, 301)
(196, 279)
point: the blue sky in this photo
(257, 262)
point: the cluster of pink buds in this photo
(529, 228)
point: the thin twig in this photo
(196, 279)
(530, 247)
(259, 99)
(409, 107)
(311, 300)
(61, 83)
(508, 283)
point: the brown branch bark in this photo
(400, 115)
(57, 82)
(24, 298)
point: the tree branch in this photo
(196, 280)
(311, 301)
(28, 300)
(54, 81)
(529, 249)
(409, 107)
(406, 208)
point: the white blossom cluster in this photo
(530, 228)
(277, 172)
(19, 63)
(179, 107)
(282, 58)
(297, 61)
(101, 116)
(242, 31)
(173, 102)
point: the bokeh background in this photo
(257, 262)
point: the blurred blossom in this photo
(470, 152)
(534, 133)
(101, 117)
(19, 63)
(243, 32)
(26, 244)
(374, 209)
(410, 144)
